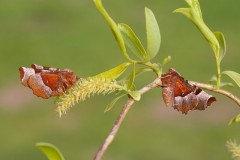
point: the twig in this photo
(221, 91)
(156, 83)
(123, 113)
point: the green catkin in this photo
(85, 88)
(234, 148)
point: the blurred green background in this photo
(73, 34)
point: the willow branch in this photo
(156, 83)
(221, 91)
(123, 113)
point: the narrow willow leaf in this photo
(235, 120)
(194, 14)
(113, 102)
(199, 23)
(166, 60)
(234, 75)
(114, 73)
(138, 72)
(132, 41)
(185, 11)
(135, 95)
(132, 77)
(50, 151)
(213, 80)
(194, 4)
(113, 27)
(197, 8)
(153, 34)
(227, 84)
(189, 2)
(222, 44)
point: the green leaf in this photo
(166, 60)
(234, 120)
(194, 14)
(189, 2)
(138, 72)
(135, 95)
(114, 28)
(234, 75)
(112, 103)
(132, 77)
(132, 41)
(114, 73)
(213, 80)
(185, 11)
(222, 44)
(199, 23)
(194, 4)
(153, 34)
(227, 84)
(50, 151)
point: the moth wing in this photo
(39, 89)
(52, 80)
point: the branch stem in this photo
(118, 122)
(156, 83)
(221, 91)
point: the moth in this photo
(182, 95)
(45, 81)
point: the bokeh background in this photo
(73, 34)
